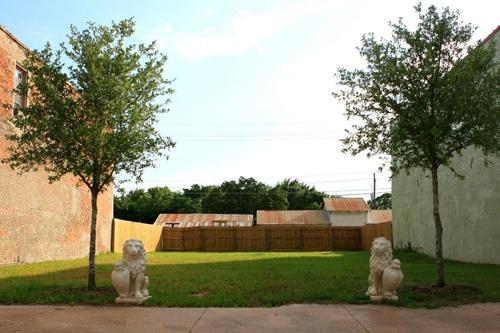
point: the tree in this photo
(143, 205)
(300, 195)
(383, 201)
(183, 204)
(423, 98)
(198, 193)
(94, 117)
(245, 196)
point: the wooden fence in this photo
(262, 238)
(150, 235)
(371, 231)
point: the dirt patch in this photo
(434, 297)
(452, 290)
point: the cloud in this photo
(237, 34)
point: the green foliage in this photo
(300, 195)
(383, 201)
(143, 206)
(244, 196)
(424, 95)
(94, 116)
(201, 279)
(184, 204)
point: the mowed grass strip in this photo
(199, 279)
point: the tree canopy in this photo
(244, 196)
(425, 95)
(301, 196)
(383, 201)
(91, 111)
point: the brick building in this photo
(41, 221)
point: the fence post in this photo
(113, 230)
(234, 238)
(333, 238)
(183, 240)
(268, 238)
(300, 238)
(161, 240)
(203, 242)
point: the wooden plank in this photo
(264, 238)
(347, 238)
(150, 235)
(251, 239)
(317, 238)
(282, 238)
(371, 231)
(172, 239)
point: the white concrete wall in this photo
(470, 210)
(348, 219)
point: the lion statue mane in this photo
(380, 259)
(134, 259)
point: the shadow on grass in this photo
(255, 280)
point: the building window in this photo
(19, 99)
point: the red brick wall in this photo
(41, 221)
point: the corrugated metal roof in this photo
(197, 220)
(313, 217)
(379, 216)
(345, 204)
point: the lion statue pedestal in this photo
(385, 273)
(128, 276)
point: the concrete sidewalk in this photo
(292, 318)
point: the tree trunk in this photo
(93, 223)
(439, 229)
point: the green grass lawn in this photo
(201, 279)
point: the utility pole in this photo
(374, 187)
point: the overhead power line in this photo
(251, 123)
(232, 138)
(308, 182)
(244, 134)
(267, 177)
(349, 192)
(208, 140)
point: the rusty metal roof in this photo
(312, 217)
(345, 204)
(191, 220)
(379, 216)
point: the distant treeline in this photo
(244, 196)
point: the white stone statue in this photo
(128, 276)
(385, 273)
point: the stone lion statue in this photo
(128, 276)
(385, 273)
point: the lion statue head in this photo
(381, 252)
(133, 249)
(134, 256)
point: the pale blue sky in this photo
(253, 80)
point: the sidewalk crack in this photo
(197, 320)
(356, 319)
